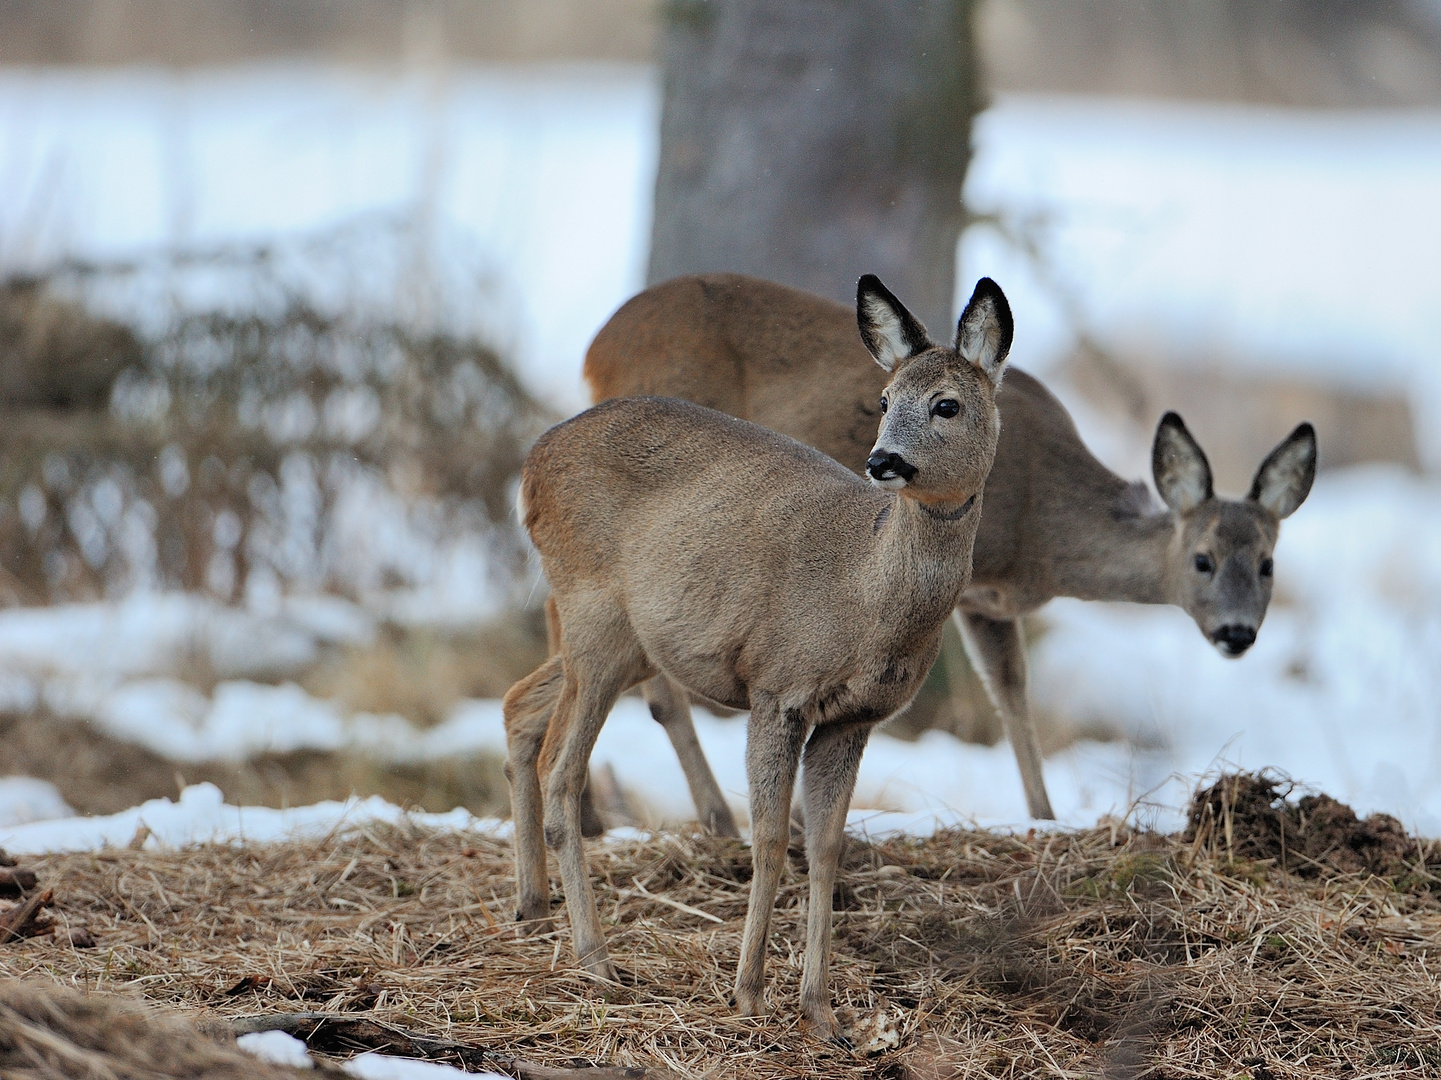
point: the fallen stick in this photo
(23, 920)
(337, 1033)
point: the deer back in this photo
(779, 357)
(793, 362)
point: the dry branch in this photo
(25, 919)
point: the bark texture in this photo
(813, 141)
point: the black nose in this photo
(883, 466)
(1235, 638)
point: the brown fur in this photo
(1057, 522)
(760, 574)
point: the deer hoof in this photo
(603, 970)
(533, 917)
(822, 1023)
(748, 1004)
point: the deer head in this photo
(940, 425)
(1221, 561)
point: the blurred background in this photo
(287, 287)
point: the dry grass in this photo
(423, 673)
(200, 438)
(47, 1033)
(1108, 952)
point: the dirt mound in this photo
(99, 774)
(1251, 816)
(50, 1033)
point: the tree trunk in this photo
(813, 141)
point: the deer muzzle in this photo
(886, 467)
(1233, 639)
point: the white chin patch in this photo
(890, 483)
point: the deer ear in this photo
(1183, 475)
(985, 329)
(891, 333)
(1284, 479)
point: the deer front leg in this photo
(832, 758)
(670, 707)
(528, 707)
(773, 750)
(999, 655)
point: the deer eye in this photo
(1268, 567)
(946, 407)
(1204, 565)
(885, 404)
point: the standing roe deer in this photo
(1057, 521)
(758, 573)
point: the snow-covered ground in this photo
(1297, 243)
(200, 815)
(1220, 236)
(1200, 233)
(526, 191)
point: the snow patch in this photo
(24, 799)
(276, 1047)
(374, 1066)
(202, 816)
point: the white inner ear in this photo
(890, 346)
(1187, 486)
(1281, 484)
(1183, 476)
(981, 337)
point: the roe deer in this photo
(758, 573)
(1057, 522)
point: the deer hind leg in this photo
(529, 706)
(590, 819)
(773, 751)
(597, 669)
(832, 758)
(996, 649)
(670, 707)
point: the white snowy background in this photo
(1260, 239)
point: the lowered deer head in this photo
(1221, 562)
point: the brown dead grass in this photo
(1107, 952)
(104, 431)
(422, 673)
(49, 1033)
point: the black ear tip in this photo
(987, 289)
(1304, 430)
(869, 283)
(1172, 419)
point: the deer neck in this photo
(928, 547)
(1119, 556)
